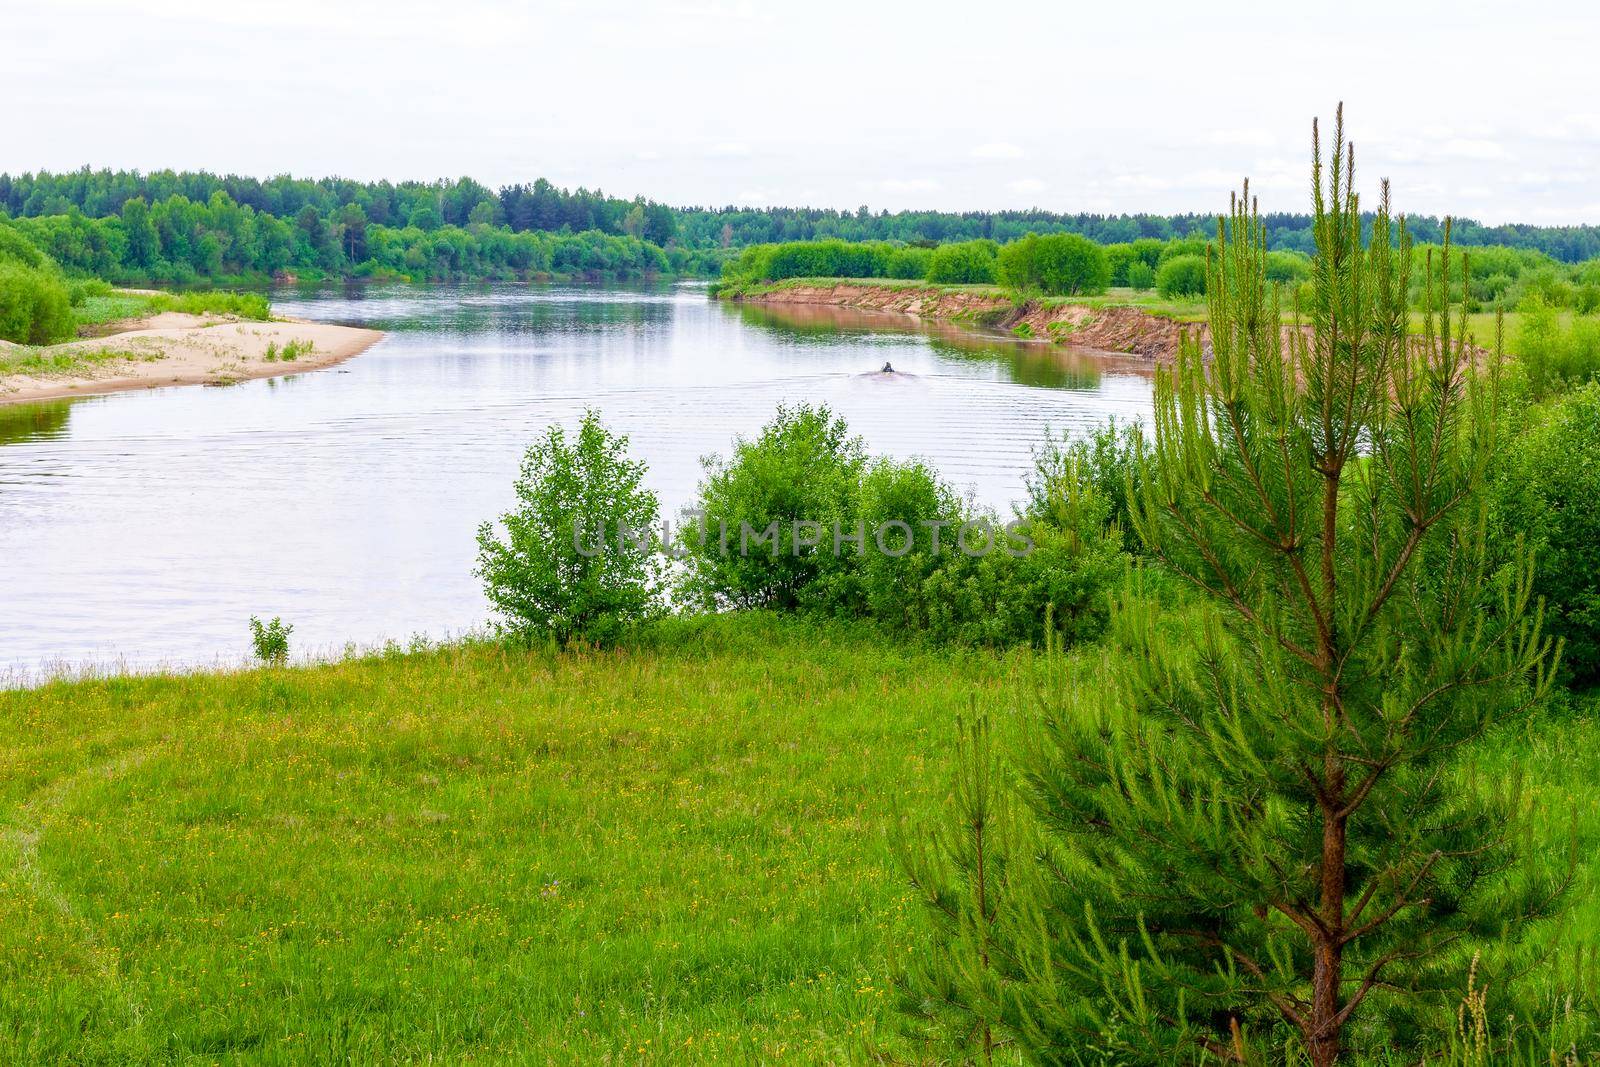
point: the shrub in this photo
(1288, 269)
(763, 535)
(270, 640)
(963, 263)
(1556, 356)
(915, 515)
(1061, 264)
(1040, 579)
(908, 263)
(1141, 277)
(1549, 492)
(1182, 276)
(82, 289)
(35, 308)
(577, 562)
(244, 305)
(1096, 471)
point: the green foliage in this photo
(1141, 277)
(1182, 276)
(1258, 844)
(764, 533)
(1549, 492)
(243, 305)
(1288, 269)
(1553, 355)
(35, 307)
(800, 520)
(1094, 477)
(270, 641)
(577, 561)
(16, 248)
(80, 290)
(963, 263)
(920, 515)
(1062, 264)
(956, 989)
(1040, 582)
(907, 263)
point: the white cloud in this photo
(1026, 185)
(1471, 148)
(998, 150)
(907, 185)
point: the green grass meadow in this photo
(675, 853)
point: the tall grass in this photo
(672, 852)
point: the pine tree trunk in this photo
(1323, 1039)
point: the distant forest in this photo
(347, 208)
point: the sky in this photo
(1478, 110)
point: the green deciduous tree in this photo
(745, 547)
(1258, 841)
(577, 560)
(1061, 264)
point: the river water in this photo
(145, 528)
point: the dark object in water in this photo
(887, 368)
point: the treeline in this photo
(182, 241)
(541, 206)
(1071, 265)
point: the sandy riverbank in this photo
(1123, 330)
(177, 349)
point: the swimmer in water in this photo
(887, 368)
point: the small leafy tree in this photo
(1182, 276)
(1061, 264)
(1261, 840)
(577, 560)
(270, 640)
(963, 263)
(765, 533)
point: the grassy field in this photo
(661, 854)
(673, 853)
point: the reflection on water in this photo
(151, 525)
(31, 422)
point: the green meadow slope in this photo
(676, 852)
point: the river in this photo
(144, 528)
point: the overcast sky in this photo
(1484, 110)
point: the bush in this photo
(1182, 276)
(1096, 471)
(1288, 269)
(35, 308)
(763, 535)
(1556, 357)
(918, 515)
(1549, 492)
(82, 289)
(1141, 277)
(909, 263)
(270, 640)
(1039, 579)
(244, 305)
(577, 562)
(1060, 264)
(963, 263)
